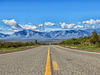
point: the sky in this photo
(48, 15)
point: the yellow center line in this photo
(48, 64)
(55, 66)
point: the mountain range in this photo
(61, 34)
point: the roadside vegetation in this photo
(91, 43)
(13, 46)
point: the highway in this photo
(50, 60)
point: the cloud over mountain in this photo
(28, 27)
(10, 22)
(14, 25)
(66, 26)
(79, 26)
(92, 22)
(49, 26)
(1, 29)
(40, 25)
(17, 27)
(49, 23)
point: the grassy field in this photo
(3, 50)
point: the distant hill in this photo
(30, 34)
(4, 35)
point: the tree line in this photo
(16, 44)
(87, 41)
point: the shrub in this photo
(94, 38)
(15, 44)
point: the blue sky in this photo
(58, 14)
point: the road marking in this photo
(55, 66)
(48, 64)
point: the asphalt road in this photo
(64, 61)
(28, 62)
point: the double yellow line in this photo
(48, 64)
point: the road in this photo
(63, 61)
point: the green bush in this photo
(73, 42)
(93, 40)
(15, 44)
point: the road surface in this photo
(57, 59)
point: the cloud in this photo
(49, 23)
(87, 24)
(37, 30)
(30, 24)
(90, 26)
(13, 30)
(78, 22)
(23, 27)
(66, 26)
(12, 23)
(28, 27)
(45, 30)
(92, 22)
(1, 29)
(10, 29)
(42, 28)
(17, 27)
(78, 26)
(46, 25)
(40, 25)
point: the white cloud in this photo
(10, 22)
(37, 30)
(16, 30)
(67, 26)
(45, 30)
(78, 22)
(92, 22)
(23, 27)
(49, 23)
(13, 30)
(10, 29)
(40, 25)
(83, 22)
(30, 24)
(16, 27)
(93, 26)
(78, 26)
(1, 29)
(88, 26)
(42, 28)
(28, 27)
(60, 23)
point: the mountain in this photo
(69, 34)
(30, 34)
(4, 35)
(61, 34)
